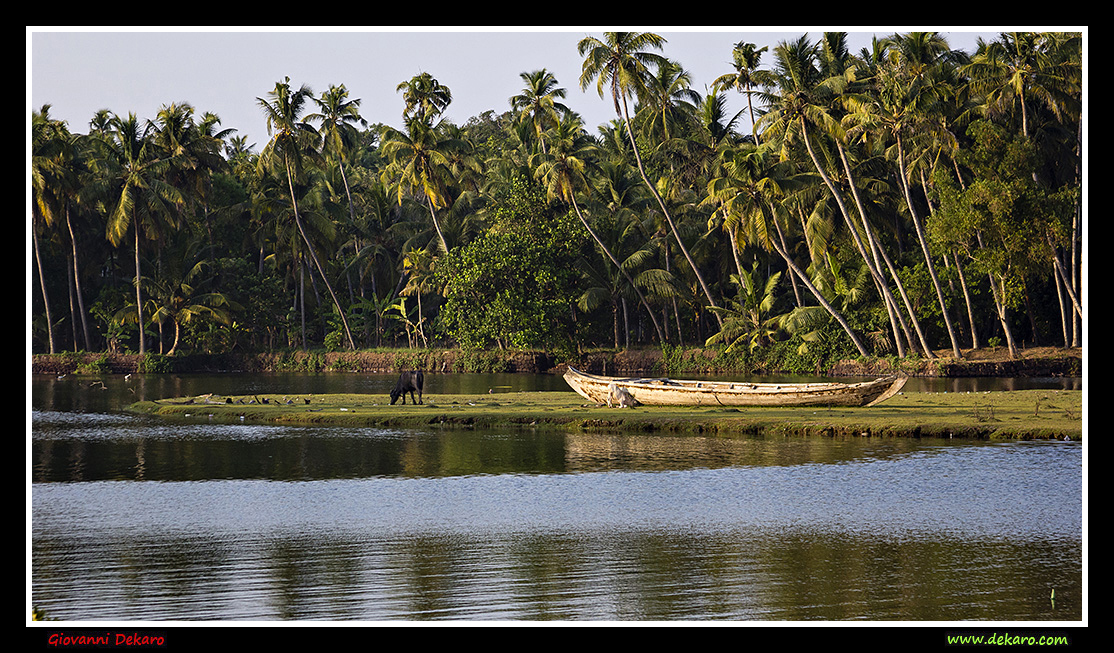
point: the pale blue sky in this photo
(81, 70)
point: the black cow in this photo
(408, 382)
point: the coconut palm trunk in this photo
(437, 225)
(854, 231)
(668, 216)
(1000, 308)
(139, 293)
(615, 261)
(816, 293)
(313, 255)
(77, 283)
(967, 301)
(1002, 313)
(1059, 268)
(42, 284)
(897, 320)
(918, 226)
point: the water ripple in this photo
(946, 492)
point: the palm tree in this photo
(77, 205)
(619, 64)
(177, 296)
(240, 156)
(620, 193)
(746, 58)
(667, 101)
(716, 126)
(59, 175)
(564, 172)
(538, 102)
(47, 145)
(1028, 70)
(1066, 51)
(291, 137)
(622, 234)
(425, 97)
(375, 238)
(140, 199)
(421, 159)
(196, 149)
(748, 194)
(338, 117)
(748, 321)
(1017, 69)
(904, 95)
(801, 103)
(418, 266)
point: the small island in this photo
(1016, 415)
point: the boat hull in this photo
(676, 392)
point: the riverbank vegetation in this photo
(1031, 362)
(907, 202)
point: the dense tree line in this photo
(906, 199)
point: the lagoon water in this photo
(134, 518)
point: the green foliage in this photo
(371, 201)
(98, 365)
(343, 364)
(480, 361)
(748, 322)
(300, 362)
(259, 294)
(335, 338)
(71, 359)
(76, 360)
(412, 359)
(1003, 217)
(512, 287)
(678, 361)
(825, 347)
(809, 352)
(152, 363)
(109, 302)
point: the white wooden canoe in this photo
(674, 392)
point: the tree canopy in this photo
(909, 199)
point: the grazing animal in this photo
(620, 396)
(408, 382)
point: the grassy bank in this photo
(1027, 414)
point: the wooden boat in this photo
(673, 392)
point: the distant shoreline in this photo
(1036, 361)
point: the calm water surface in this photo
(139, 519)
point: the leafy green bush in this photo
(154, 364)
(512, 287)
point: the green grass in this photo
(1026, 414)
